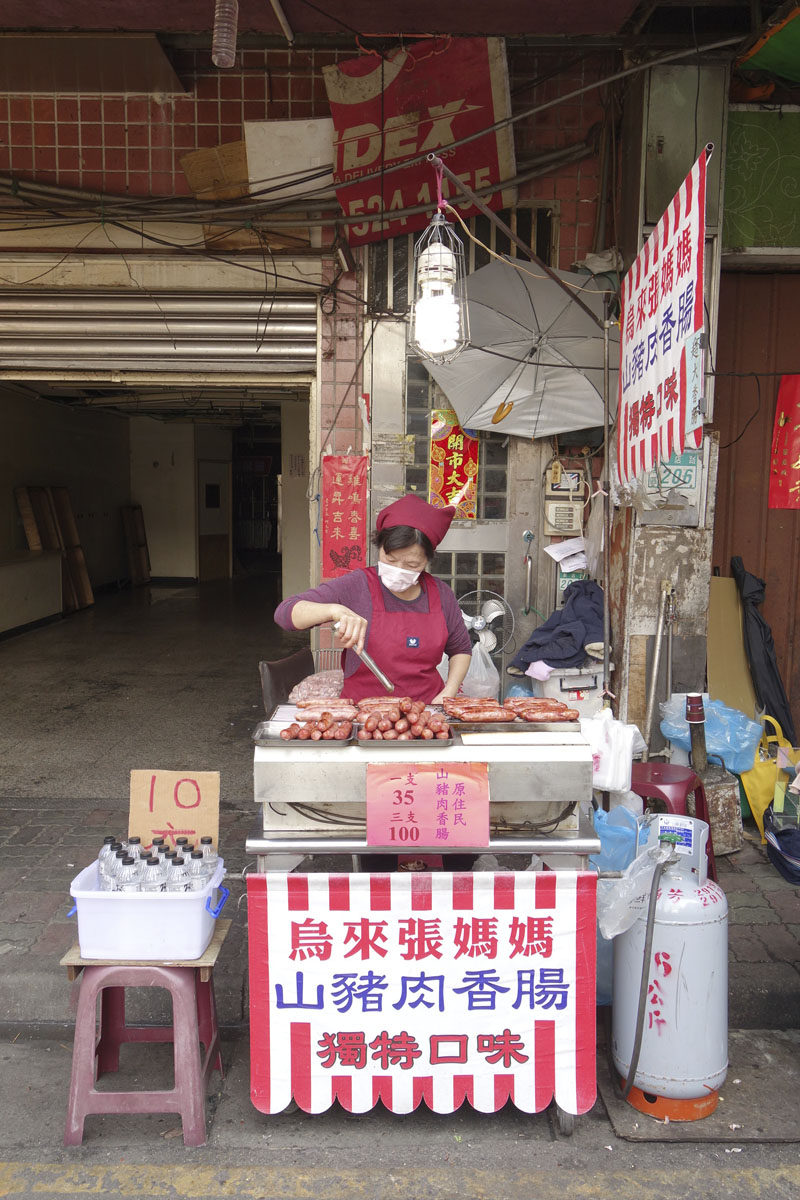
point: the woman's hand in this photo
(352, 631)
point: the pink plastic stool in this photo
(194, 1016)
(673, 786)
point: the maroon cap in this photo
(416, 512)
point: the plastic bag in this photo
(483, 678)
(731, 737)
(620, 902)
(612, 751)
(325, 685)
(617, 831)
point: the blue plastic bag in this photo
(731, 737)
(617, 832)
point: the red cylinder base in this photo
(664, 1108)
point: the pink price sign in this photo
(440, 805)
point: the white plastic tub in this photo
(579, 687)
(151, 926)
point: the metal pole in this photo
(518, 242)
(651, 698)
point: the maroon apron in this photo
(407, 646)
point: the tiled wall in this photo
(133, 144)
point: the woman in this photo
(404, 617)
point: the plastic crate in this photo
(147, 926)
(579, 687)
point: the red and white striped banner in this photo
(428, 987)
(661, 326)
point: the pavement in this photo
(170, 680)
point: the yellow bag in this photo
(759, 781)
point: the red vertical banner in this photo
(784, 471)
(453, 465)
(344, 513)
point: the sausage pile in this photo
(403, 720)
(523, 708)
(327, 727)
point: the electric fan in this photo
(489, 620)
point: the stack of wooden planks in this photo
(49, 524)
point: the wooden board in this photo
(29, 523)
(74, 963)
(49, 524)
(729, 677)
(136, 544)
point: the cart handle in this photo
(217, 908)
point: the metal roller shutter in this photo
(167, 331)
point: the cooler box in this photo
(579, 687)
(147, 926)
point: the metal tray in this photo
(513, 726)
(413, 744)
(270, 736)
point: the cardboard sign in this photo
(427, 804)
(432, 988)
(173, 804)
(661, 326)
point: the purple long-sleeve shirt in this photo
(352, 590)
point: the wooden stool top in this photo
(206, 962)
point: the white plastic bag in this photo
(483, 678)
(621, 901)
(612, 751)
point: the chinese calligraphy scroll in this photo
(453, 465)
(784, 473)
(344, 513)
(429, 987)
(661, 325)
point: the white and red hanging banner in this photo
(422, 987)
(784, 473)
(661, 343)
(400, 107)
(344, 513)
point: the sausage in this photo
(316, 735)
(428, 735)
(377, 736)
(443, 737)
(402, 725)
(326, 701)
(489, 715)
(417, 730)
(316, 714)
(378, 701)
(343, 731)
(371, 724)
(303, 735)
(404, 737)
(385, 725)
(390, 735)
(364, 735)
(286, 734)
(328, 734)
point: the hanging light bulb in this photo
(223, 44)
(439, 322)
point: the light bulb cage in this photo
(439, 272)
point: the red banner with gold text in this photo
(453, 465)
(784, 472)
(344, 513)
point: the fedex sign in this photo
(415, 101)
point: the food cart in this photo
(425, 986)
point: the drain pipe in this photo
(666, 588)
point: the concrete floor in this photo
(155, 677)
(168, 678)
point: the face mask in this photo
(396, 579)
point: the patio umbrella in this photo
(534, 364)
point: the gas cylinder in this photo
(684, 1050)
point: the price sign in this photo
(418, 805)
(173, 804)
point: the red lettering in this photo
(196, 787)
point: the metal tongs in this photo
(371, 665)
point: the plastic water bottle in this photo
(209, 854)
(182, 846)
(223, 44)
(198, 872)
(178, 877)
(132, 844)
(158, 846)
(154, 875)
(104, 859)
(112, 870)
(127, 878)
